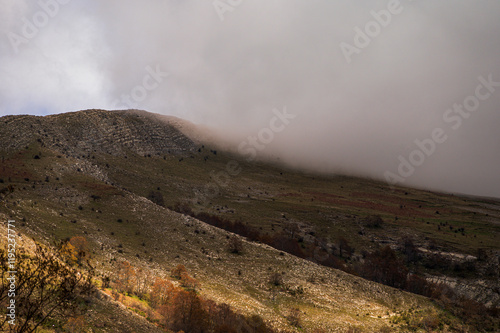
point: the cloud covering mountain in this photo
(369, 82)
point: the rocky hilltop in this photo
(86, 132)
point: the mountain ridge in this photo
(95, 130)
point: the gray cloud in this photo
(356, 117)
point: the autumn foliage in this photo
(46, 287)
(81, 247)
(178, 271)
(181, 308)
(189, 312)
(75, 325)
(161, 291)
(74, 251)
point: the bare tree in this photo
(45, 286)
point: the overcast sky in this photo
(364, 79)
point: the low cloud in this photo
(355, 115)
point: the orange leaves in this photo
(68, 253)
(81, 246)
(184, 311)
(125, 277)
(180, 308)
(188, 282)
(161, 291)
(180, 273)
(75, 250)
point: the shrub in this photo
(188, 282)
(75, 325)
(235, 245)
(430, 322)
(81, 247)
(157, 198)
(125, 277)
(385, 329)
(294, 317)
(344, 247)
(410, 250)
(374, 221)
(183, 208)
(276, 279)
(68, 253)
(385, 267)
(178, 271)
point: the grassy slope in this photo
(103, 314)
(335, 300)
(334, 206)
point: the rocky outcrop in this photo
(95, 131)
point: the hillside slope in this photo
(93, 130)
(109, 176)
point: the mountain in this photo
(93, 131)
(302, 252)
